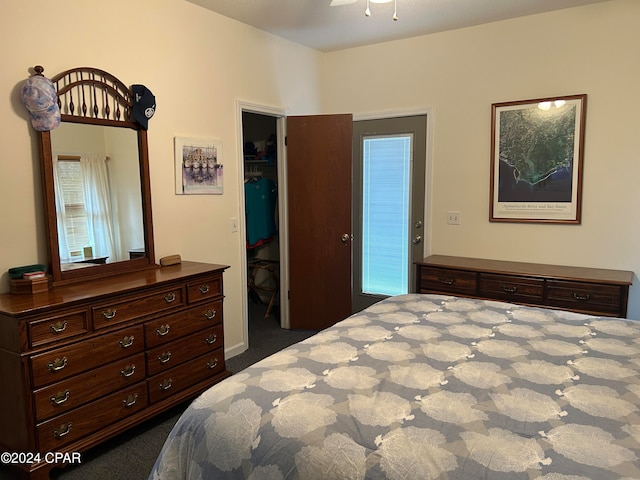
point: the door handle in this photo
(416, 240)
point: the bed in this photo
(424, 387)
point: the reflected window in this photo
(74, 215)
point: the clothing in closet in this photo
(260, 203)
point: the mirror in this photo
(95, 171)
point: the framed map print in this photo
(536, 160)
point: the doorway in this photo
(262, 233)
(328, 137)
(389, 164)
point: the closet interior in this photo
(261, 214)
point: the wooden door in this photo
(319, 198)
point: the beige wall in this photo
(457, 75)
(199, 65)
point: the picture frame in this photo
(537, 150)
(198, 166)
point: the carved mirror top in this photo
(89, 94)
(97, 99)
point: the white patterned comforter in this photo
(425, 387)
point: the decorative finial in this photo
(39, 69)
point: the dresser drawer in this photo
(206, 289)
(94, 416)
(54, 328)
(445, 280)
(108, 314)
(171, 327)
(86, 387)
(61, 363)
(165, 384)
(512, 288)
(583, 296)
(169, 355)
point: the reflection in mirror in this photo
(97, 194)
(95, 177)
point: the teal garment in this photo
(260, 204)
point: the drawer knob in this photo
(128, 371)
(63, 430)
(162, 330)
(57, 364)
(447, 281)
(60, 398)
(213, 363)
(130, 401)
(58, 327)
(126, 342)
(170, 297)
(582, 297)
(109, 314)
(211, 339)
(211, 314)
(506, 289)
(166, 384)
(204, 289)
(164, 357)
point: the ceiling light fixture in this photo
(367, 11)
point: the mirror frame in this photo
(114, 109)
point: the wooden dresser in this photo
(84, 362)
(587, 290)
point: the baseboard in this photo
(235, 350)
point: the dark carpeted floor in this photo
(131, 456)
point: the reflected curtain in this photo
(98, 206)
(63, 244)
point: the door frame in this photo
(279, 113)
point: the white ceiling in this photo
(315, 24)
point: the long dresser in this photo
(81, 363)
(593, 291)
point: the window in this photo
(385, 214)
(74, 218)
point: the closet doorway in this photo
(260, 149)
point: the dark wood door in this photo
(319, 198)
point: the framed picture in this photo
(536, 160)
(198, 164)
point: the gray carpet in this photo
(131, 456)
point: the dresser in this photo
(81, 363)
(593, 291)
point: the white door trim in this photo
(280, 114)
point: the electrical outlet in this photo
(453, 218)
(234, 224)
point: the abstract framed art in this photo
(536, 160)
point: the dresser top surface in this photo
(621, 277)
(19, 305)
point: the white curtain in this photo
(63, 245)
(97, 199)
